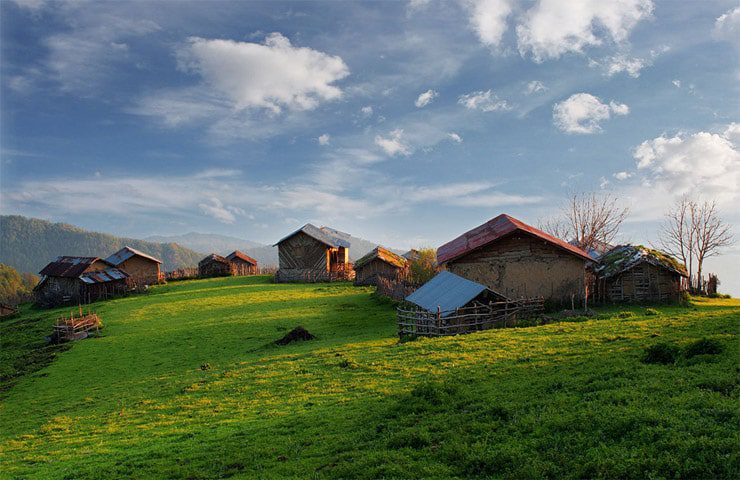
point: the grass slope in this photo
(569, 399)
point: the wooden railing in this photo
(416, 321)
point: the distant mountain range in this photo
(28, 244)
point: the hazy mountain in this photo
(206, 242)
(28, 244)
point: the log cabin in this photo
(312, 254)
(215, 266)
(243, 263)
(76, 280)
(517, 260)
(141, 268)
(634, 273)
(379, 262)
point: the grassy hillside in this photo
(186, 383)
(28, 244)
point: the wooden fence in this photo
(314, 275)
(397, 289)
(416, 321)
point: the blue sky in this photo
(402, 122)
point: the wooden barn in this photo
(517, 260)
(629, 273)
(380, 262)
(215, 266)
(243, 263)
(75, 280)
(141, 268)
(312, 254)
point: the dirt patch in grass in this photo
(298, 334)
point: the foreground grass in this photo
(186, 383)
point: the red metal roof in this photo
(69, 267)
(494, 230)
(241, 256)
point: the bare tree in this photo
(589, 219)
(711, 235)
(678, 233)
(694, 232)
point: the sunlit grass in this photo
(565, 399)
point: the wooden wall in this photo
(243, 268)
(525, 266)
(212, 268)
(368, 274)
(302, 252)
(141, 271)
(643, 282)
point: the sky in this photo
(406, 123)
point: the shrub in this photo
(626, 314)
(684, 299)
(424, 266)
(663, 353)
(705, 346)
(651, 311)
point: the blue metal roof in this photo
(103, 276)
(446, 291)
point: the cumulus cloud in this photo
(488, 19)
(583, 113)
(622, 63)
(393, 144)
(366, 111)
(535, 86)
(425, 98)
(454, 137)
(486, 101)
(223, 213)
(552, 27)
(324, 139)
(274, 75)
(727, 26)
(702, 163)
(622, 175)
(676, 83)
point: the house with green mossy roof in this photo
(635, 273)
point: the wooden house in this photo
(312, 254)
(379, 262)
(243, 263)
(629, 273)
(141, 268)
(517, 260)
(75, 280)
(215, 266)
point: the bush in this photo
(705, 346)
(663, 353)
(651, 311)
(626, 314)
(684, 299)
(424, 266)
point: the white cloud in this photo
(486, 101)
(425, 98)
(582, 113)
(488, 19)
(702, 163)
(223, 213)
(622, 63)
(727, 26)
(622, 175)
(676, 83)
(274, 75)
(552, 27)
(603, 183)
(393, 144)
(454, 137)
(32, 5)
(324, 139)
(366, 111)
(535, 86)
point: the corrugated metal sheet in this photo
(324, 235)
(127, 252)
(446, 291)
(493, 230)
(68, 267)
(103, 276)
(241, 256)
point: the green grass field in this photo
(565, 400)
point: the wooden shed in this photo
(517, 260)
(633, 273)
(75, 280)
(141, 268)
(243, 263)
(215, 266)
(379, 262)
(312, 254)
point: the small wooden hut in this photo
(312, 254)
(243, 263)
(634, 273)
(379, 262)
(215, 266)
(141, 268)
(75, 280)
(517, 260)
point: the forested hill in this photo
(28, 244)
